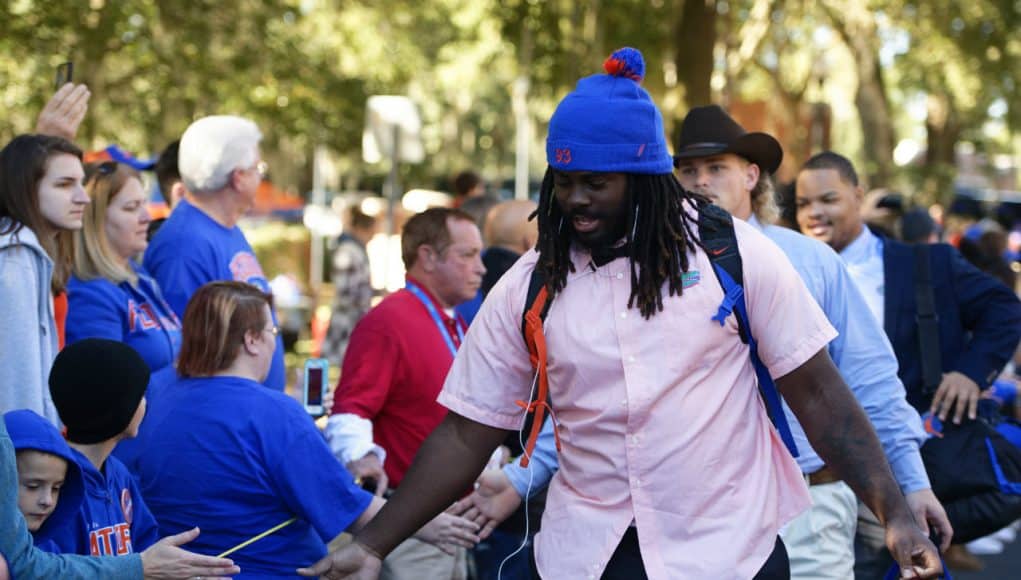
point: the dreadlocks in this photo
(660, 234)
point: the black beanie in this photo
(97, 385)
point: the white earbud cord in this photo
(531, 476)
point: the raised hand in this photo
(64, 112)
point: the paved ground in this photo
(1005, 566)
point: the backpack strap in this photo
(716, 231)
(928, 322)
(533, 301)
(537, 306)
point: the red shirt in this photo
(393, 370)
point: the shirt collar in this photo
(861, 248)
(581, 257)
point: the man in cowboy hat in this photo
(720, 160)
(670, 468)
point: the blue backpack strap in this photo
(1006, 486)
(716, 231)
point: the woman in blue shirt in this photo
(226, 454)
(110, 295)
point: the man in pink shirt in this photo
(669, 465)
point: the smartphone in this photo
(316, 372)
(65, 74)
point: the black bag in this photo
(969, 459)
(975, 472)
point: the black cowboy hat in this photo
(708, 131)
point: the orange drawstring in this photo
(536, 341)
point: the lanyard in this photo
(428, 303)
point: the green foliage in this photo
(303, 68)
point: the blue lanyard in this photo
(444, 331)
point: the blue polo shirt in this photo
(135, 314)
(191, 250)
(236, 459)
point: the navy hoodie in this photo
(113, 519)
(29, 430)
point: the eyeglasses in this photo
(261, 169)
(94, 170)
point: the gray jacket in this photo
(26, 561)
(28, 333)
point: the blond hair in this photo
(93, 255)
(764, 205)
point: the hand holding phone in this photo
(66, 109)
(317, 372)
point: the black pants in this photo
(626, 562)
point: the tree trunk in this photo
(942, 129)
(857, 27)
(876, 122)
(696, 39)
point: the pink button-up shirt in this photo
(660, 419)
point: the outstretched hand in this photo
(447, 532)
(352, 562)
(166, 560)
(912, 551)
(64, 112)
(492, 502)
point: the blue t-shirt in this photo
(235, 459)
(192, 249)
(113, 520)
(133, 314)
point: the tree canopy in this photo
(303, 69)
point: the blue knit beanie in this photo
(609, 123)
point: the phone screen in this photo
(65, 73)
(315, 386)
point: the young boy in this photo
(50, 487)
(98, 387)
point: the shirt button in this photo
(623, 403)
(620, 276)
(631, 359)
(623, 314)
(636, 482)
